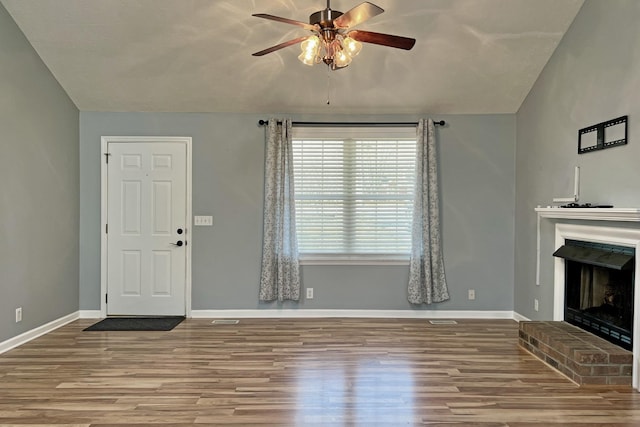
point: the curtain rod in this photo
(354, 124)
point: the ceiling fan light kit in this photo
(331, 41)
(337, 54)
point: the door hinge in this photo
(106, 298)
(106, 157)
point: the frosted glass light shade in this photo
(342, 59)
(352, 46)
(310, 44)
(307, 58)
(310, 49)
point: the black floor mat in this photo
(166, 323)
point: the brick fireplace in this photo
(580, 354)
(621, 236)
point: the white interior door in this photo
(146, 235)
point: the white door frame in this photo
(105, 140)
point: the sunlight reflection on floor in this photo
(349, 392)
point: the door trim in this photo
(105, 140)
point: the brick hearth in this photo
(583, 357)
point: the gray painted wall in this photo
(593, 76)
(39, 193)
(477, 155)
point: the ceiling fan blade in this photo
(285, 20)
(357, 15)
(383, 39)
(281, 45)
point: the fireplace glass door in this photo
(599, 298)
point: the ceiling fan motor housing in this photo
(324, 18)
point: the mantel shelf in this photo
(592, 214)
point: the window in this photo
(354, 190)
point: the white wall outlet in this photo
(535, 304)
(472, 294)
(206, 220)
(309, 293)
(18, 314)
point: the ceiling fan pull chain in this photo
(328, 84)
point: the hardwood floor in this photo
(298, 372)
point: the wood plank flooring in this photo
(298, 372)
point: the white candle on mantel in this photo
(576, 189)
(576, 183)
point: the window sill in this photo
(337, 259)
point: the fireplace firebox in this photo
(599, 290)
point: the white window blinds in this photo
(354, 189)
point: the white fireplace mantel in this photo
(590, 214)
(593, 214)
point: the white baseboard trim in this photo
(37, 332)
(519, 317)
(271, 313)
(400, 314)
(90, 314)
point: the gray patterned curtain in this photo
(427, 282)
(280, 277)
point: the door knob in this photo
(178, 243)
(179, 231)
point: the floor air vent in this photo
(225, 322)
(443, 322)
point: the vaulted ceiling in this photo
(471, 56)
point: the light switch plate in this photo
(203, 220)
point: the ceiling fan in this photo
(332, 41)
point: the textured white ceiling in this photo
(471, 56)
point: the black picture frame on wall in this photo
(603, 135)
